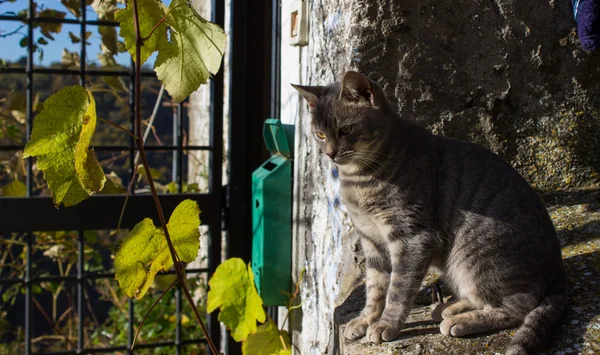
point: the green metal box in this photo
(272, 216)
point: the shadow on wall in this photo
(508, 74)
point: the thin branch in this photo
(139, 328)
(50, 322)
(140, 143)
(117, 126)
(14, 32)
(155, 27)
(159, 22)
(137, 154)
(129, 189)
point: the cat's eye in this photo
(320, 135)
(346, 130)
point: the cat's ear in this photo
(357, 87)
(312, 94)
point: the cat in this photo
(423, 201)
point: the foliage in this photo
(161, 323)
(193, 53)
(60, 140)
(145, 252)
(13, 189)
(232, 290)
(190, 49)
(267, 340)
(150, 13)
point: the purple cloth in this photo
(587, 15)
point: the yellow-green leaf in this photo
(113, 185)
(232, 290)
(47, 28)
(266, 340)
(60, 140)
(150, 13)
(195, 50)
(14, 189)
(74, 6)
(144, 251)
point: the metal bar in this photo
(216, 169)
(29, 83)
(56, 71)
(80, 237)
(58, 20)
(177, 177)
(175, 160)
(276, 59)
(80, 301)
(121, 348)
(29, 178)
(178, 319)
(28, 307)
(251, 62)
(98, 212)
(178, 141)
(130, 330)
(35, 280)
(117, 148)
(131, 119)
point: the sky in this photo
(11, 51)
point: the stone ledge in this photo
(576, 215)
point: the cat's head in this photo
(349, 120)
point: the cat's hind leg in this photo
(461, 306)
(478, 321)
(509, 313)
(452, 307)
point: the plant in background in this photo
(189, 48)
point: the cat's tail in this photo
(538, 326)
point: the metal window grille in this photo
(34, 213)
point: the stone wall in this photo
(508, 74)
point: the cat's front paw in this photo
(383, 331)
(356, 328)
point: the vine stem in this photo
(139, 42)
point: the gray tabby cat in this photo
(420, 201)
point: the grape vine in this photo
(190, 49)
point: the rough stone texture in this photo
(320, 222)
(576, 216)
(508, 74)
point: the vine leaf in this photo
(195, 50)
(144, 251)
(60, 140)
(47, 28)
(232, 290)
(74, 6)
(14, 189)
(266, 340)
(150, 13)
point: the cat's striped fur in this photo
(420, 201)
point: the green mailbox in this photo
(272, 215)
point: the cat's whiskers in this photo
(376, 161)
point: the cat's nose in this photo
(331, 153)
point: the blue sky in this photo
(11, 51)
